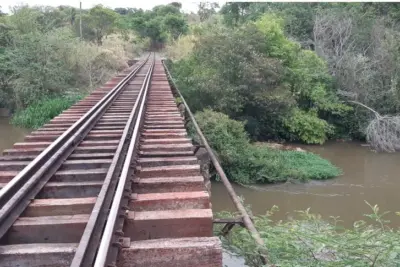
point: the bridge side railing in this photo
(246, 220)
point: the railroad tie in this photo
(170, 219)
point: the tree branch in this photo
(365, 106)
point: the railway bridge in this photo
(112, 181)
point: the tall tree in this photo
(69, 13)
(206, 9)
(98, 23)
(175, 25)
(234, 12)
(159, 23)
(121, 10)
(176, 4)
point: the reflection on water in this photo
(368, 176)
(10, 134)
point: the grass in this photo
(246, 163)
(39, 113)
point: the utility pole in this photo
(80, 20)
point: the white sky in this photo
(187, 5)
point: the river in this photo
(10, 134)
(367, 176)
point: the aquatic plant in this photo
(310, 241)
(44, 110)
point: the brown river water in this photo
(10, 134)
(367, 176)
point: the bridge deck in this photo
(168, 219)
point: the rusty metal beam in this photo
(229, 220)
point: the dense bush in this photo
(307, 126)
(254, 73)
(246, 163)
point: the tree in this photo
(163, 10)
(100, 22)
(121, 10)
(69, 14)
(153, 30)
(41, 56)
(176, 4)
(159, 23)
(175, 25)
(206, 9)
(51, 18)
(24, 19)
(234, 12)
(254, 73)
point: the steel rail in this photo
(17, 194)
(86, 251)
(239, 206)
(102, 255)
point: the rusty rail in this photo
(103, 257)
(248, 223)
(89, 245)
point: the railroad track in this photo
(112, 181)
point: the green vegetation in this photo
(251, 72)
(45, 55)
(309, 241)
(42, 58)
(42, 111)
(98, 23)
(254, 73)
(162, 23)
(290, 70)
(246, 163)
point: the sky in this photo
(187, 5)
